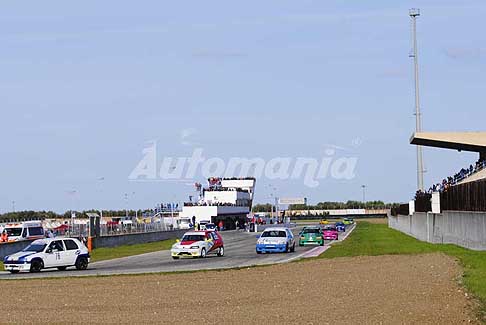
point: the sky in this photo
(84, 86)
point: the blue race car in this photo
(340, 226)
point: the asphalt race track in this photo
(239, 252)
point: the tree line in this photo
(331, 206)
(42, 215)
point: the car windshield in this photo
(330, 228)
(13, 231)
(193, 238)
(311, 231)
(274, 233)
(35, 247)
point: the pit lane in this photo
(239, 252)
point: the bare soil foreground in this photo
(385, 289)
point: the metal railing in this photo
(81, 231)
(121, 229)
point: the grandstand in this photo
(225, 199)
(461, 141)
(454, 210)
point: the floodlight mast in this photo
(414, 13)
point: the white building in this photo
(226, 199)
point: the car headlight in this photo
(194, 247)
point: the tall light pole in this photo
(414, 13)
(364, 193)
(126, 206)
(72, 194)
(100, 180)
(273, 197)
(13, 206)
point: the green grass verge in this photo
(377, 239)
(101, 254)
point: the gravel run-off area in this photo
(420, 289)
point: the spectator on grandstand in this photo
(458, 177)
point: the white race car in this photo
(198, 244)
(274, 240)
(46, 253)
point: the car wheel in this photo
(293, 248)
(81, 263)
(258, 252)
(175, 257)
(14, 271)
(203, 253)
(221, 251)
(322, 243)
(287, 248)
(62, 268)
(36, 266)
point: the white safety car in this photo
(47, 253)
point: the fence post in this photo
(428, 227)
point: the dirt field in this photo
(385, 289)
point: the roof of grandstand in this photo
(463, 141)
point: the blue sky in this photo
(85, 85)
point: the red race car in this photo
(198, 244)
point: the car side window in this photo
(56, 246)
(24, 232)
(215, 236)
(71, 245)
(36, 231)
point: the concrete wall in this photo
(466, 229)
(418, 223)
(131, 239)
(11, 248)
